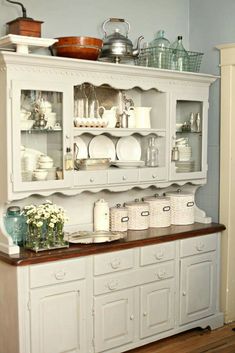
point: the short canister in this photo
(118, 218)
(182, 207)
(160, 211)
(138, 213)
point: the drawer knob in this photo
(154, 176)
(161, 274)
(159, 255)
(132, 317)
(115, 263)
(145, 313)
(112, 285)
(200, 246)
(60, 275)
(124, 177)
(184, 294)
(92, 180)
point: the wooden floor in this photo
(221, 340)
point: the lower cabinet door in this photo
(157, 307)
(114, 319)
(57, 318)
(197, 287)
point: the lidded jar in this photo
(182, 207)
(15, 224)
(138, 213)
(101, 215)
(118, 218)
(160, 211)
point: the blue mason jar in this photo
(15, 224)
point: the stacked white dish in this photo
(185, 166)
(185, 153)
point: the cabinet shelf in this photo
(117, 132)
(41, 131)
(189, 132)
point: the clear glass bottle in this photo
(15, 225)
(160, 51)
(93, 104)
(68, 159)
(80, 102)
(179, 56)
(152, 154)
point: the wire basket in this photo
(171, 59)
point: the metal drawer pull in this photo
(166, 208)
(145, 213)
(125, 219)
(161, 274)
(112, 285)
(115, 263)
(190, 204)
(200, 246)
(159, 255)
(60, 275)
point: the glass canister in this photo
(15, 225)
(160, 211)
(138, 213)
(118, 218)
(160, 52)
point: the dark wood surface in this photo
(132, 239)
(221, 340)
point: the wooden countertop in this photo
(133, 239)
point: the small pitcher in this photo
(142, 117)
(109, 115)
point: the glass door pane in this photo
(41, 125)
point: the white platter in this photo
(128, 148)
(83, 237)
(102, 147)
(82, 148)
(128, 164)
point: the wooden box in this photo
(25, 27)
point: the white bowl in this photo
(40, 174)
(45, 165)
(26, 124)
(44, 158)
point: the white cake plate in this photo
(22, 44)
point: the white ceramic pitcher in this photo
(109, 115)
(142, 117)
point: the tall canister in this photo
(182, 207)
(101, 215)
(160, 211)
(118, 218)
(138, 213)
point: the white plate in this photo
(128, 148)
(102, 147)
(82, 148)
(128, 164)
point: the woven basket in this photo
(118, 218)
(160, 211)
(182, 208)
(138, 213)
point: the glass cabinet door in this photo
(41, 136)
(188, 148)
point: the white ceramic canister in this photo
(142, 117)
(182, 207)
(101, 215)
(118, 218)
(138, 214)
(160, 211)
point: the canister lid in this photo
(136, 203)
(13, 210)
(179, 193)
(118, 207)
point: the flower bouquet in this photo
(45, 226)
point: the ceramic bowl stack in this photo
(45, 170)
(25, 122)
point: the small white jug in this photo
(142, 117)
(109, 115)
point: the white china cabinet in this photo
(38, 111)
(112, 302)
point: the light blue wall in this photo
(84, 17)
(211, 23)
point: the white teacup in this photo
(40, 174)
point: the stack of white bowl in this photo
(45, 170)
(50, 116)
(25, 122)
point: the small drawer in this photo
(157, 253)
(198, 245)
(113, 262)
(94, 177)
(56, 272)
(122, 176)
(157, 272)
(112, 283)
(154, 174)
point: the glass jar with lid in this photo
(15, 224)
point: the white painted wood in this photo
(57, 318)
(198, 245)
(157, 303)
(114, 320)
(113, 262)
(198, 287)
(157, 253)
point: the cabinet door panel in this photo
(157, 307)
(57, 319)
(198, 287)
(114, 320)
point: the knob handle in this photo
(60, 275)
(132, 317)
(145, 313)
(115, 263)
(184, 294)
(200, 246)
(92, 180)
(112, 285)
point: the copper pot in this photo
(87, 48)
